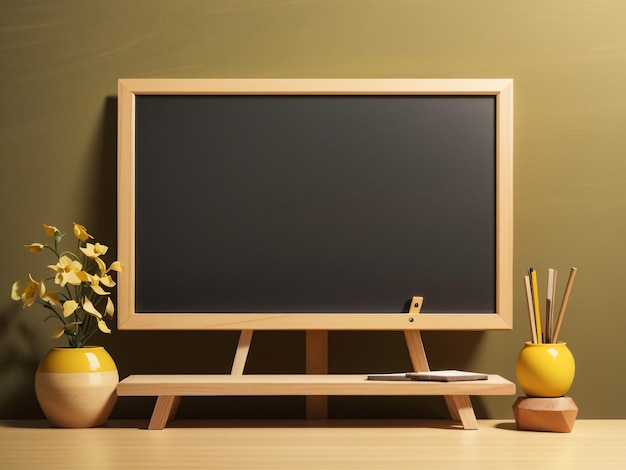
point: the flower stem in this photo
(53, 250)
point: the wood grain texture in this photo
(317, 363)
(241, 355)
(295, 384)
(30, 445)
(164, 411)
(501, 318)
(545, 414)
(460, 407)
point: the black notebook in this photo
(446, 375)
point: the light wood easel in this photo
(316, 384)
(459, 406)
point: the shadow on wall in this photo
(102, 197)
(24, 338)
(21, 349)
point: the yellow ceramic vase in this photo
(76, 386)
(545, 370)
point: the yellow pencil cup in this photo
(545, 370)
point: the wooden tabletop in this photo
(300, 444)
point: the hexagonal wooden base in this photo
(545, 414)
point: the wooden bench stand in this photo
(170, 388)
(316, 384)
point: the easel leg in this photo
(459, 406)
(317, 363)
(164, 411)
(416, 350)
(414, 340)
(167, 405)
(243, 347)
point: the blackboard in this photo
(314, 208)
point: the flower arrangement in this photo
(81, 305)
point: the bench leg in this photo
(460, 407)
(317, 363)
(164, 411)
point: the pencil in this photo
(550, 304)
(531, 310)
(568, 290)
(535, 290)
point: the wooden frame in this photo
(501, 89)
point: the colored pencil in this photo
(535, 291)
(568, 290)
(531, 310)
(550, 304)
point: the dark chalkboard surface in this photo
(329, 204)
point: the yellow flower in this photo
(92, 250)
(52, 297)
(50, 230)
(107, 280)
(90, 309)
(73, 307)
(67, 271)
(60, 329)
(35, 247)
(110, 308)
(102, 326)
(28, 294)
(69, 307)
(116, 266)
(95, 281)
(81, 232)
(102, 267)
(53, 232)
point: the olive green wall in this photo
(59, 62)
